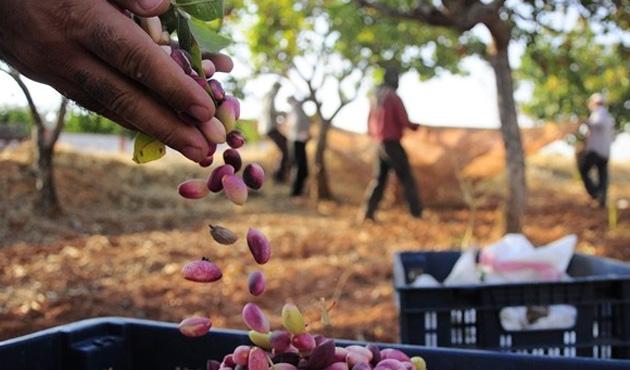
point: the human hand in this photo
(94, 54)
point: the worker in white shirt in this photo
(298, 133)
(268, 127)
(597, 151)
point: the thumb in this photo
(144, 8)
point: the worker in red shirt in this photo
(386, 124)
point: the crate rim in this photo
(442, 351)
(479, 286)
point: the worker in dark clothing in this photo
(387, 122)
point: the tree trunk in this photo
(517, 193)
(322, 186)
(47, 200)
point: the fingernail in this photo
(200, 113)
(149, 4)
(193, 153)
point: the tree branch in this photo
(37, 118)
(312, 92)
(424, 13)
(61, 120)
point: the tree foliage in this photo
(566, 68)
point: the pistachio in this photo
(292, 319)
(193, 189)
(259, 247)
(253, 176)
(231, 157)
(235, 139)
(255, 319)
(234, 189)
(202, 271)
(195, 326)
(256, 283)
(214, 181)
(262, 340)
(222, 235)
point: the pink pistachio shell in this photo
(195, 326)
(255, 319)
(231, 157)
(337, 366)
(193, 189)
(213, 130)
(283, 366)
(340, 354)
(179, 56)
(202, 271)
(214, 181)
(280, 341)
(217, 91)
(305, 342)
(253, 176)
(394, 354)
(259, 246)
(256, 283)
(235, 189)
(258, 359)
(362, 366)
(391, 364)
(207, 162)
(228, 361)
(241, 355)
(235, 139)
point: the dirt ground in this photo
(119, 247)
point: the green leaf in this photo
(184, 37)
(208, 39)
(206, 10)
(196, 59)
(169, 20)
(147, 149)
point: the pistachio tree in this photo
(505, 21)
(322, 43)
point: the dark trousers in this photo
(300, 167)
(282, 171)
(392, 155)
(587, 162)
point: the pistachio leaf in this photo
(196, 59)
(147, 149)
(208, 39)
(206, 10)
(184, 37)
(169, 20)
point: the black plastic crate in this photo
(468, 316)
(128, 344)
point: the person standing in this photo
(387, 122)
(268, 127)
(597, 151)
(298, 124)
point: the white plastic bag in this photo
(465, 270)
(515, 259)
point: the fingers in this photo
(144, 8)
(88, 103)
(222, 62)
(117, 94)
(118, 41)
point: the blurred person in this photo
(94, 54)
(387, 122)
(597, 149)
(298, 133)
(268, 127)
